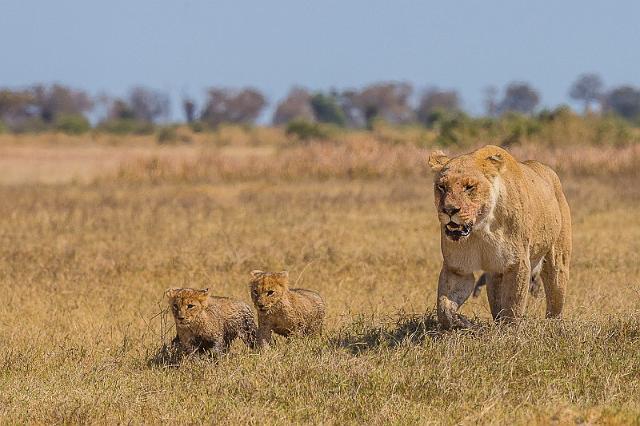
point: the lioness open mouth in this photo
(455, 231)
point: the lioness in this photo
(507, 218)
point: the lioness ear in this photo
(256, 273)
(171, 292)
(437, 160)
(497, 161)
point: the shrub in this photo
(123, 126)
(305, 130)
(173, 134)
(72, 124)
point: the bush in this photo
(167, 134)
(74, 124)
(198, 126)
(305, 130)
(123, 126)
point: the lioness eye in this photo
(441, 188)
(469, 188)
(270, 292)
(190, 306)
(175, 306)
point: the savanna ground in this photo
(89, 243)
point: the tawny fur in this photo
(282, 310)
(209, 323)
(535, 287)
(507, 218)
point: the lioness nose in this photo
(450, 210)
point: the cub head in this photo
(465, 189)
(186, 303)
(268, 288)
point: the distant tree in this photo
(56, 100)
(519, 97)
(587, 89)
(119, 109)
(148, 105)
(327, 109)
(189, 108)
(387, 100)
(435, 100)
(296, 106)
(491, 101)
(624, 101)
(233, 106)
(349, 104)
(16, 107)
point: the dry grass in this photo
(83, 270)
(363, 158)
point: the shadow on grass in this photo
(362, 336)
(167, 356)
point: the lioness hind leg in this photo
(555, 276)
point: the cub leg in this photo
(248, 334)
(453, 290)
(264, 335)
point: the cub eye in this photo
(469, 188)
(441, 187)
(175, 307)
(190, 306)
(270, 293)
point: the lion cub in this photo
(205, 322)
(283, 310)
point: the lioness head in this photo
(465, 189)
(186, 303)
(268, 288)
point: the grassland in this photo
(84, 263)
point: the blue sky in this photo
(184, 46)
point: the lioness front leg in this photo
(453, 290)
(514, 289)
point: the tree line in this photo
(63, 108)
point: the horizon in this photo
(186, 47)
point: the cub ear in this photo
(256, 273)
(497, 161)
(203, 294)
(283, 277)
(171, 292)
(437, 160)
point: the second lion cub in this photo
(282, 310)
